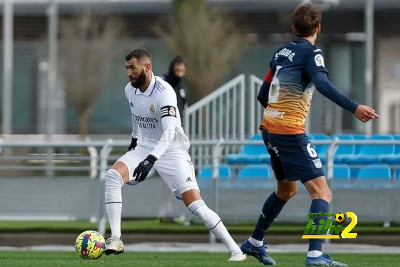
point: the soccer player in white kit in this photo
(158, 143)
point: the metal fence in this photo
(62, 186)
(231, 112)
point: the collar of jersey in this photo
(149, 89)
(301, 40)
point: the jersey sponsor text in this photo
(146, 122)
(286, 53)
(274, 113)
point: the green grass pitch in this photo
(176, 259)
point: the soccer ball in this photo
(340, 218)
(90, 245)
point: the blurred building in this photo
(266, 23)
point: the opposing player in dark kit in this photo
(296, 69)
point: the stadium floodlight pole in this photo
(8, 14)
(369, 55)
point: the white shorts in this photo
(174, 167)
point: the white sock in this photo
(314, 253)
(213, 222)
(255, 242)
(113, 200)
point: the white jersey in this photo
(157, 103)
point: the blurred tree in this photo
(206, 38)
(86, 45)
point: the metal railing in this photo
(219, 114)
(101, 154)
(231, 112)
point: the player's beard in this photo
(140, 80)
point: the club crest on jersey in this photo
(319, 60)
(172, 111)
(152, 109)
(168, 111)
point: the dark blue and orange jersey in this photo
(291, 88)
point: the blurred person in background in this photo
(176, 72)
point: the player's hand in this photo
(133, 144)
(143, 169)
(365, 113)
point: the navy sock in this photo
(272, 207)
(317, 206)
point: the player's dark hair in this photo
(138, 53)
(306, 19)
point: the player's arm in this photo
(135, 128)
(168, 108)
(135, 134)
(328, 89)
(263, 94)
(168, 124)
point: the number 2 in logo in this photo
(346, 231)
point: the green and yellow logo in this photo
(327, 230)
